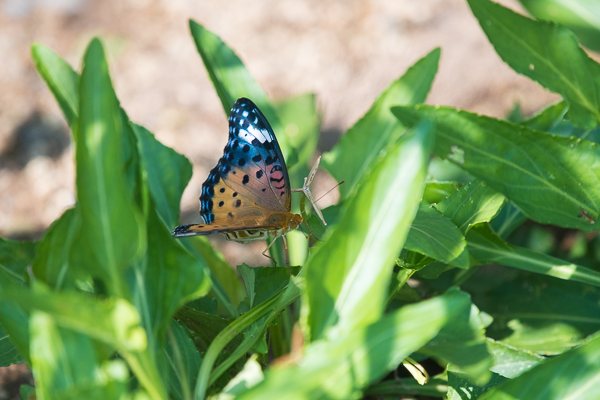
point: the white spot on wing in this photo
(260, 134)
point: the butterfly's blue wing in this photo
(251, 175)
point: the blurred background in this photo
(345, 51)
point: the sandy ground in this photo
(344, 51)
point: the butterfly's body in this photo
(247, 194)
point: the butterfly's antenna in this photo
(329, 191)
(308, 194)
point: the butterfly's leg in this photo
(284, 242)
(266, 252)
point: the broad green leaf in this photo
(473, 204)
(581, 16)
(60, 78)
(535, 313)
(547, 53)
(552, 179)
(166, 172)
(111, 225)
(184, 361)
(549, 118)
(341, 367)
(66, 366)
(300, 121)
(16, 256)
(8, 352)
(226, 286)
(572, 375)
(434, 235)
(249, 376)
(261, 283)
(460, 388)
(348, 274)
(436, 191)
(488, 248)
(204, 326)
(510, 361)
(377, 130)
(52, 261)
(462, 344)
(14, 321)
(407, 387)
(232, 80)
(115, 322)
(171, 276)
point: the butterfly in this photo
(247, 195)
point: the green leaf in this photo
(550, 178)
(549, 118)
(535, 313)
(65, 364)
(377, 130)
(263, 282)
(510, 361)
(232, 80)
(348, 274)
(52, 264)
(8, 352)
(16, 256)
(460, 388)
(462, 344)
(226, 286)
(115, 322)
(581, 16)
(60, 78)
(488, 248)
(407, 387)
(300, 125)
(183, 360)
(111, 225)
(341, 367)
(171, 276)
(249, 376)
(166, 172)
(435, 236)
(573, 375)
(14, 321)
(473, 204)
(547, 53)
(436, 191)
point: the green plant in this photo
(469, 278)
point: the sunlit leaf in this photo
(547, 53)
(347, 275)
(552, 179)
